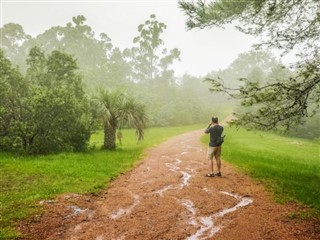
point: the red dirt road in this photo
(167, 196)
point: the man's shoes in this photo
(210, 175)
(218, 174)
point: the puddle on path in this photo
(162, 190)
(124, 211)
(185, 178)
(244, 201)
(206, 223)
(173, 166)
(76, 211)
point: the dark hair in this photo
(214, 119)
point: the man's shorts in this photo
(213, 152)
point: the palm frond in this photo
(119, 108)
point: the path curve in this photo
(167, 196)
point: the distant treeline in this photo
(48, 101)
(144, 71)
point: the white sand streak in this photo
(206, 223)
(125, 211)
(190, 207)
(76, 211)
(244, 202)
(185, 178)
(162, 190)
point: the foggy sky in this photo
(201, 50)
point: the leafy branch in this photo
(282, 103)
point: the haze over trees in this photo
(284, 25)
(50, 83)
(47, 99)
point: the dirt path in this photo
(167, 196)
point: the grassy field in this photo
(290, 167)
(27, 180)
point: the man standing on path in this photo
(214, 149)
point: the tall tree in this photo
(76, 37)
(12, 39)
(244, 65)
(118, 108)
(247, 62)
(118, 71)
(149, 58)
(285, 25)
(151, 70)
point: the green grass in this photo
(27, 180)
(290, 167)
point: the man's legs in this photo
(217, 154)
(218, 160)
(211, 165)
(210, 155)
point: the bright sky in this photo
(201, 50)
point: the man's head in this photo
(214, 119)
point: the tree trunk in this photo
(109, 137)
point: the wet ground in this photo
(167, 196)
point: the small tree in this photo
(119, 108)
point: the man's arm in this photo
(207, 130)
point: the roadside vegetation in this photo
(289, 167)
(26, 180)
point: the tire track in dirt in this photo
(167, 196)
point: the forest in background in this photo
(78, 64)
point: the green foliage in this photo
(25, 181)
(119, 109)
(285, 25)
(288, 166)
(12, 38)
(254, 66)
(248, 65)
(75, 38)
(145, 70)
(279, 103)
(13, 91)
(47, 111)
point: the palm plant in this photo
(118, 108)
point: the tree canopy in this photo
(149, 58)
(285, 25)
(46, 110)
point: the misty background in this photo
(138, 48)
(202, 51)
